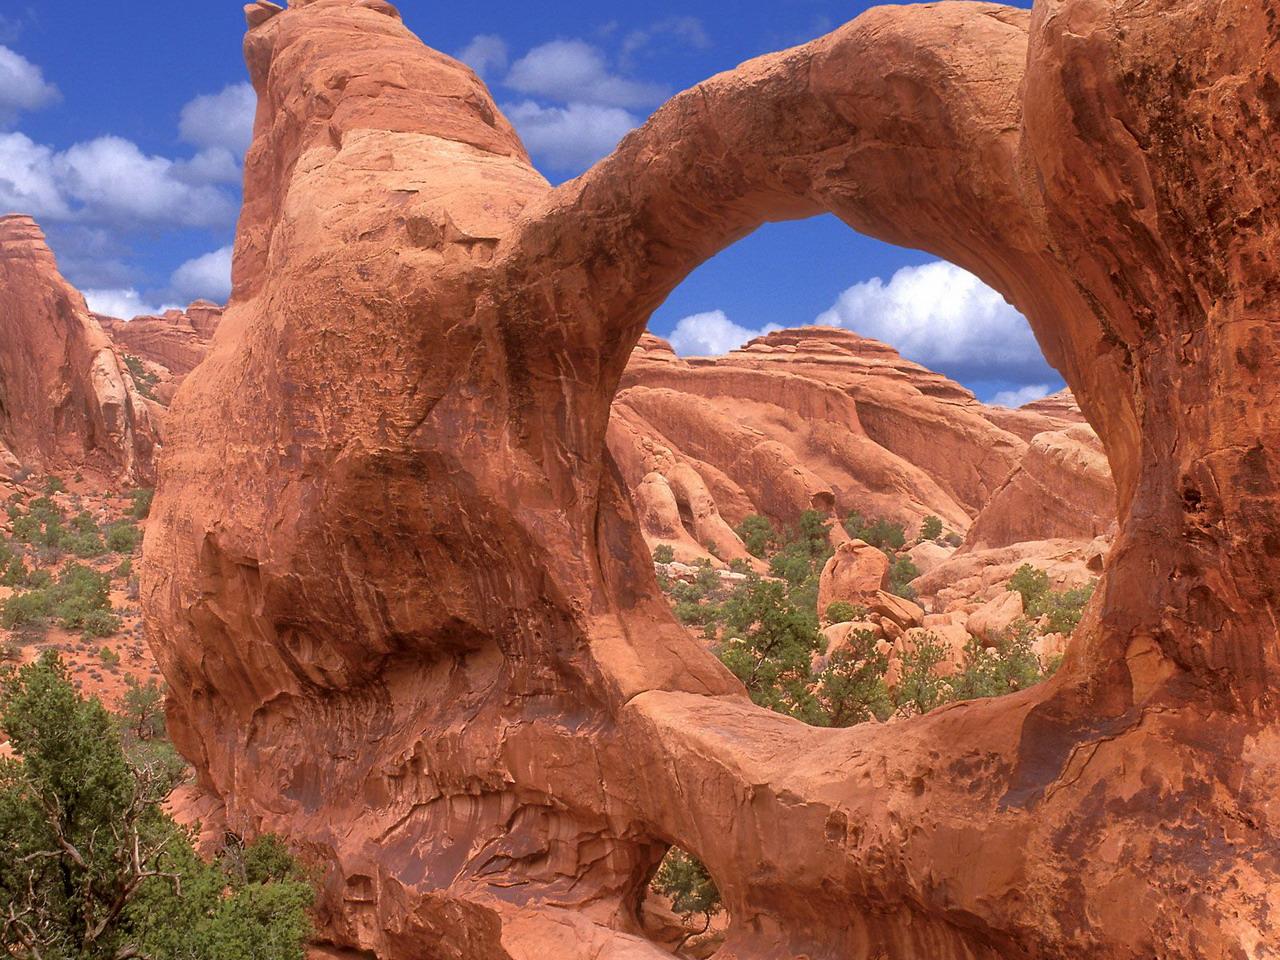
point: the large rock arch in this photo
(401, 601)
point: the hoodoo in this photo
(400, 595)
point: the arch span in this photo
(400, 598)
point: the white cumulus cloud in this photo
(576, 72)
(27, 181)
(1023, 395)
(946, 319)
(223, 119)
(207, 277)
(124, 304)
(108, 180)
(113, 180)
(22, 85)
(485, 54)
(571, 137)
(711, 334)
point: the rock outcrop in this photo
(822, 418)
(813, 418)
(66, 400)
(398, 589)
(177, 340)
(854, 574)
(172, 344)
(1060, 489)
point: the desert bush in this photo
(770, 646)
(851, 688)
(919, 690)
(931, 528)
(141, 507)
(663, 553)
(878, 532)
(1033, 584)
(692, 891)
(843, 612)
(757, 534)
(1009, 666)
(1060, 609)
(901, 572)
(123, 536)
(92, 868)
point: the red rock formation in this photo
(66, 400)
(399, 593)
(177, 341)
(813, 418)
(1060, 489)
(854, 574)
(821, 418)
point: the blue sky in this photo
(122, 127)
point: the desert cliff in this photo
(66, 398)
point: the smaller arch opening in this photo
(682, 910)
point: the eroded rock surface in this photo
(400, 595)
(66, 399)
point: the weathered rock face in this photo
(821, 418)
(398, 590)
(177, 340)
(1061, 488)
(814, 418)
(66, 400)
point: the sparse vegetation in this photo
(78, 600)
(692, 891)
(123, 536)
(844, 612)
(931, 528)
(142, 497)
(1059, 609)
(878, 532)
(143, 379)
(851, 689)
(901, 572)
(143, 709)
(663, 553)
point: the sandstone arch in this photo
(399, 595)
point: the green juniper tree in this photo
(91, 868)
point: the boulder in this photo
(898, 610)
(854, 574)
(928, 554)
(990, 621)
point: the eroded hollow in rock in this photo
(682, 910)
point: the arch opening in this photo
(858, 535)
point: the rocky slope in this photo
(408, 619)
(821, 418)
(67, 401)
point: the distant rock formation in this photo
(398, 589)
(1060, 489)
(173, 344)
(821, 418)
(67, 401)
